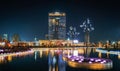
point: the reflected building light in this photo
(81, 51)
(41, 53)
(1, 59)
(68, 53)
(57, 68)
(53, 69)
(102, 51)
(75, 53)
(54, 60)
(52, 52)
(50, 68)
(71, 51)
(107, 54)
(61, 64)
(118, 56)
(94, 49)
(9, 58)
(88, 51)
(51, 62)
(35, 55)
(99, 55)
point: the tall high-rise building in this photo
(15, 38)
(5, 37)
(57, 26)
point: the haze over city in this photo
(29, 18)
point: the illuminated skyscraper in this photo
(16, 38)
(5, 37)
(57, 25)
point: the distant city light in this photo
(75, 41)
(11, 42)
(68, 39)
(113, 42)
(2, 43)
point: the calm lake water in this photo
(50, 59)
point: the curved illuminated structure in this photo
(8, 57)
(106, 51)
(90, 63)
(16, 53)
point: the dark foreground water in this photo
(51, 60)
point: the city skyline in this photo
(30, 18)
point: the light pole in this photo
(87, 28)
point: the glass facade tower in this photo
(57, 26)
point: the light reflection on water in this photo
(54, 58)
(7, 57)
(56, 62)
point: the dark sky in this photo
(29, 18)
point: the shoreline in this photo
(13, 49)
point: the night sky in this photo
(29, 18)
